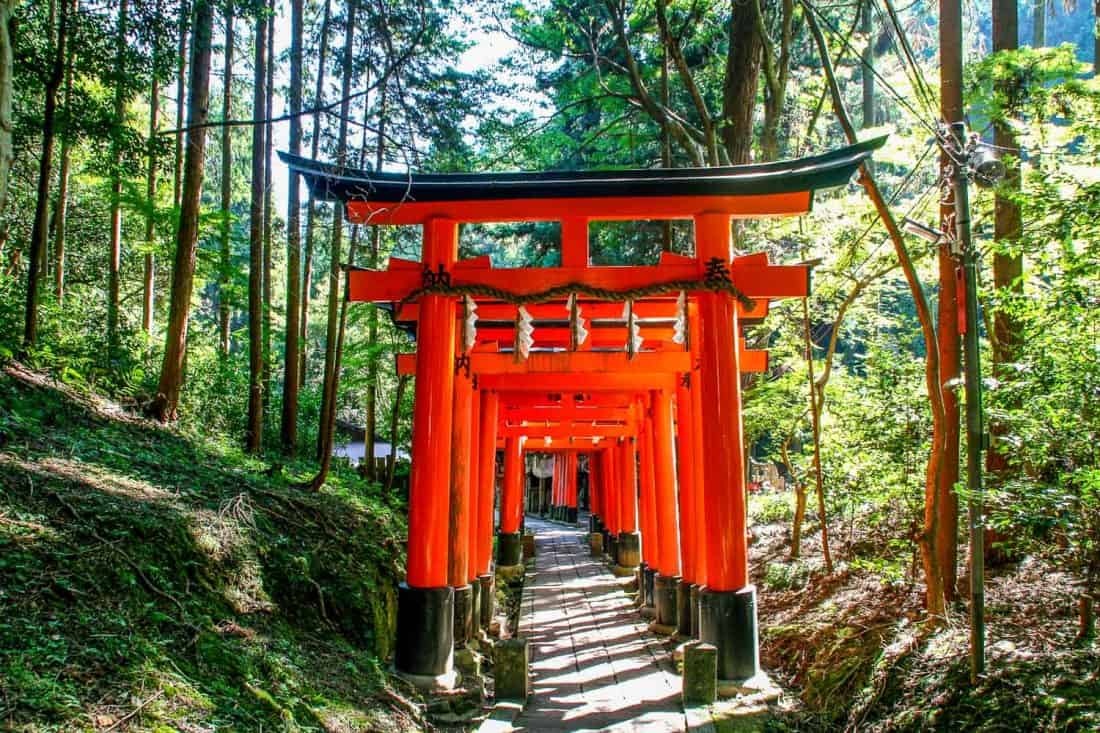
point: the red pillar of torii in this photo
(441, 495)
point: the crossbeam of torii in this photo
(448, 543)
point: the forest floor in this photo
(152, 580)
(855, 653)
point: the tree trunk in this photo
(927, 542)
(36, 261)
(740, 84)
(1008, 269)
(269, 144)
(666, 141)
(181, 94)
(61, 210)
(224, 267)
(867, 72)
(115, 246)
(166, 403)
(255, 433)
(815, 422)
(311, 209)
(372, 323)
(1039, 24)
(7, 92)
(800, 494)
(288, 432)
(328, 387)
(395, 417)
(148, 277)
(951, 110)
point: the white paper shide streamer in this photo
(525, 332)
(469, 330)
(633, 329)
(576, 322)
(679, 329)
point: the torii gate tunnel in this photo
(636, 366)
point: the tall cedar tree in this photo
(1008, 269)
(311, 205)
(328, 393)
(254, 434)
(867, 72)
(149, 271)
(288, 429)
(165, 405)
(372, 327)
(224, 266)
(7, 91)
(61, 209)
(181, 98)
(36, 267)
(114, 263)
(269, 147)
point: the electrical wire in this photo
(935, 129)
(893, 198)
(904, 51)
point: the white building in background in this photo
(356, 449)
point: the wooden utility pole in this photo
(951, 110)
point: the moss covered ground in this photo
(156, 581)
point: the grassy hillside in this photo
(153, 581)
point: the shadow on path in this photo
(594, 666)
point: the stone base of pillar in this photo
(639, 583)
(424, 652)
(685, 622)
(695, 588)
(649, 576)
(488, 601)
(612, 547)
(475, 610)
(666, 590)
(727, 619)
(509, 548)
(463, 614)
(593, 523)
(629, 550)
(595, 544)
(571, 514)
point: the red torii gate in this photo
(449, 545)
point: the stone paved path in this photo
(594, 665)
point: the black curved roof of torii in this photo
(330, 182)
